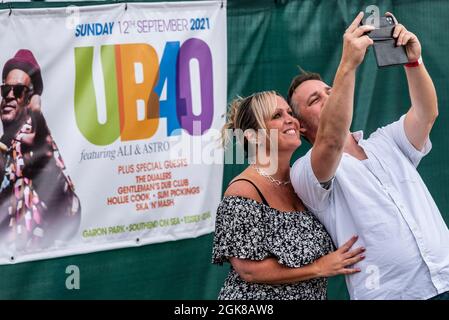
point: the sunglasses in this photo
(17, 89)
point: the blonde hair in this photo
(249, 113)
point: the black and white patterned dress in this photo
(248, 229)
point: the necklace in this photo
(270, 177)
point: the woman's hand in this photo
(338, 262)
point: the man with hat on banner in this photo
(38, 205)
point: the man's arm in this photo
(424, 110)
(336, 115)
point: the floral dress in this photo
(247, 229)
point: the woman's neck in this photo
(278, 167)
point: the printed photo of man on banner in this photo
(38, 204)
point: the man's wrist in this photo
(345, 68)
(414, 64)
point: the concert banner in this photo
(111, 118)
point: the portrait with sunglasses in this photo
(18, 90)
(31, 162)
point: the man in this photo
(38, 205)
(371, 187)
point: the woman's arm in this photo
(270, 271)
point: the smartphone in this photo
(385, 49)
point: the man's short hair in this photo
(296, 82)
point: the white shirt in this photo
(385, 202)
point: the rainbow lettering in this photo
(133, 77)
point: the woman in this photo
(276, 248)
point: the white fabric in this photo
(386, 203)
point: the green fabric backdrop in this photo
(267, 41)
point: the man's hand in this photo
(35, 103)
(407, 39)
(355, 43)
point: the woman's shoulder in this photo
(242, 197)
(244, 186)
(237, 204)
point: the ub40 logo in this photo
(134, 79)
